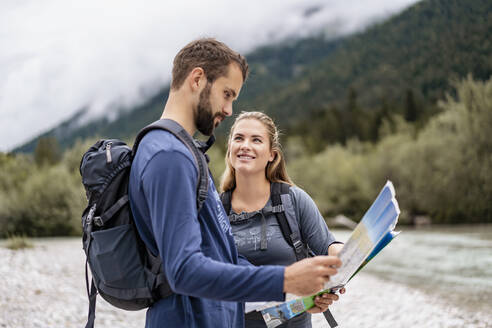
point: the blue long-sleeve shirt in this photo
(199, 255)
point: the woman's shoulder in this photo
(298, 193)
(301, 199)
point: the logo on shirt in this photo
(221, 216)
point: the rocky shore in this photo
(44, 287)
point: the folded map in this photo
(369, 237)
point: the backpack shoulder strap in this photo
(280, 193)
(199, 157)
(225, 198)
(287, 218)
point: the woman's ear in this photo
(273, 154)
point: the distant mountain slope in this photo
(127, 124)
(283, 62)
(421, 50)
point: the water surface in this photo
(454, 262)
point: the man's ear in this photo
(197, 79)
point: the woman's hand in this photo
(321, 302)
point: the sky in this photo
(60, 56)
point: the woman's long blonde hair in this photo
(275, 170)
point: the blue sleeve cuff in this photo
(279, 283)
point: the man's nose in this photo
(228, 109)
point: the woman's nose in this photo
(244, 144)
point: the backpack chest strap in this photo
(265, 211)
(106, 216)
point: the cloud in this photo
(58, 56)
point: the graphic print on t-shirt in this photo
(251, 238)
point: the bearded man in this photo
(197, 249)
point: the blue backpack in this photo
(124, 272)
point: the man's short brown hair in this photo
(211, 55)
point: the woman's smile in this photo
(245, 157)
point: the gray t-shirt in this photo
(314, 232)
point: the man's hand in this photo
(334, 249)
(308, 276)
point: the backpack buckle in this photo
(98, 221)
(278, 208)
(90, 215)
(297, 246)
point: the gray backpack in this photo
(283, 208)
(124, 272)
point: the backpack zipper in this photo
(109, 159)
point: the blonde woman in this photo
(273, 221)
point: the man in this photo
(199, 256)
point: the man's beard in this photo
(204, 118)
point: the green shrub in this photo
(459, 144)
(49, 203)
(336, 179)
(446, 171)
(16, 242)
(217, 164)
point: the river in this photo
(454, 262)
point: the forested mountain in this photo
(420, 51)
(401, 65)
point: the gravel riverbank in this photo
(45, 287)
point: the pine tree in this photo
(411, 111)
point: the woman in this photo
(254, 166)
